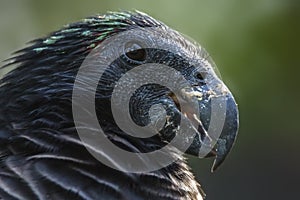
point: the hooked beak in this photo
(225, 139)
(228, 135)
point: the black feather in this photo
(41, 156)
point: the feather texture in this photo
(41, 156)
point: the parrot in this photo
(43, 157)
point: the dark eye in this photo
(137, 55)
(135, 52)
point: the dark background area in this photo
(255, 45)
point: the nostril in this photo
(199, 76)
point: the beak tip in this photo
(217, 162)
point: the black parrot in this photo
(41, 154)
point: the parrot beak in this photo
(225, 140)
(228, 135)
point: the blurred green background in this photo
(256, 47)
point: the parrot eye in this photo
(135, 52)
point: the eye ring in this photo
(135, 51)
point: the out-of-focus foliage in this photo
(256, 47)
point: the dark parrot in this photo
(41, 153)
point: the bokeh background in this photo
(256, 47)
